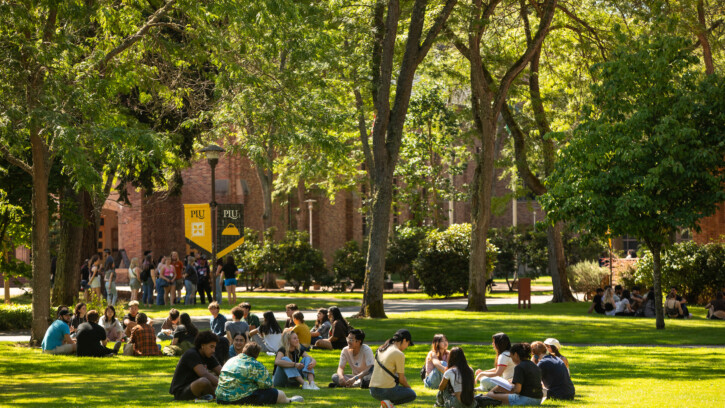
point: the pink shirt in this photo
(429, 367)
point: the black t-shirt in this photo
(598, 304)
(529, 376)
(718, 304)
(88, 340)
(85, 273)
(556, 379)
(183, 335)
(295, 356)
(190, 274)
(185, 374)
(76, 321)
(230, 271)
(203, 272)
(129, 318)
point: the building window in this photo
(103, 220)
(100, 245)
(629, 243)
(100, 234)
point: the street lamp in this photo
(309, 207)
(212, 153)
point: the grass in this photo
(603, 377)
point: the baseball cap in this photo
(552, 342)
(403, 334)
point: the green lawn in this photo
(603, 376)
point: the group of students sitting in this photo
(622, 302)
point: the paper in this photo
(502, 383)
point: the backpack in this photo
(145, 273)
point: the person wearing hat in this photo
(57, 338)
(388, 383)
(554, 374)
(553, 346)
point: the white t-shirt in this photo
(504, 359)
(454, 378)
(273, 340)
(364, 359)
(621, 306)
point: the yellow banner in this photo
(197, 223)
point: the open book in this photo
(502, 383)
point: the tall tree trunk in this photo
(557, 264)
(382, 197)
(40, 239)
(89, 243)
(704, 41)
(656, 249)
(265, 180)
(69, 253)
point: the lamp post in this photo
(309, 208)
(212, 153)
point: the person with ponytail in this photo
(554, 374)
(553, 346)
(526, 382)
(504, 366)
(456, 387)
(388, 383)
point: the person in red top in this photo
(143, 338)
(179, 267)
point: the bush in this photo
(259, 258)
(15, 317)
(586, 276)
(696, 270)
(301, 263)
(403, 249)
(442, 263)
(349, 263)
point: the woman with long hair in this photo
(134, 281)
(269, 334)
(147, 297)
(337, 338)
(238, 343)
(230, 279)
(79, 317)
(95, 278)
(552, 347)
(114, 331)
(436, 361)
(526, 383)
(185, 331)
(322, 326)
(504, 365)
(388, 383)
(111, 292)
(555, 376)
(168, 275)
(456, 387)
(610, 305)
(292, 365)
(218, 277)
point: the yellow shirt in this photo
(303, 332)
(394, 360)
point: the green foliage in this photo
(300, 262)
(403, 249)
(583, 247)
(695, 270)
(528, 245)
(15, 317)
(258, 257)
(349, 263)
(586, 276)
(442, 263)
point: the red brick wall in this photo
(713, 227)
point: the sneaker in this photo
(306, 386)
(386, 404)
(296, 398)
(332, 385)
(269, 353)
(314, 387)
(205, 398)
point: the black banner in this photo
(229, 228)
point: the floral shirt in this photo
(240, 377)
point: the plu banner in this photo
(230, 227)
(197, 223)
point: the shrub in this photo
(15, 317)
(696, 270)
(349, 263)
(403, 249)
(259, 258)
(300, 262)
(442, 263)
(586, 276)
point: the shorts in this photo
(62, 349)
(228, 282)
(96, 282)
(135, 284)
(185, 394)
(258, 397)
(516, 399)
(85, 285)
(179, 284)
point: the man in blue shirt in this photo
(57, 338)
(216, 324)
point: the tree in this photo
(488, 97)
(647, 159)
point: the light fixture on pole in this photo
(309, 207)
(212, 153)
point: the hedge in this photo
(15, 317)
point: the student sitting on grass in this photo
(269, 334)
(216, 325)
(338, 332)
(504, 365)
(388, 383)
(361, 360)
(716, 307)
(552, 347)
(555, 376)
(597, 302)
(197, 373)
(143, 339)
(302, 330)
(79, 317)
(57, 338)
(436, 361)
(290, 309)
(456, 387)
(245, 381)
(673, 308)
(322, 326)
(91, 338)
(526, 384)
(169, 325)
(113, 328)
(237, 347)
(292, 365)
(623, 306)
(129, 321)
(251, 319)
(237, 325)
(184, 336)
(609, 302)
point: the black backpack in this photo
(146, 272)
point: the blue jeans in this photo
(160, 284)
(148, 292)
(112, 293)
(433, 380)
(190, 292)
(516, 399)
(396, 395)
(283, 376)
